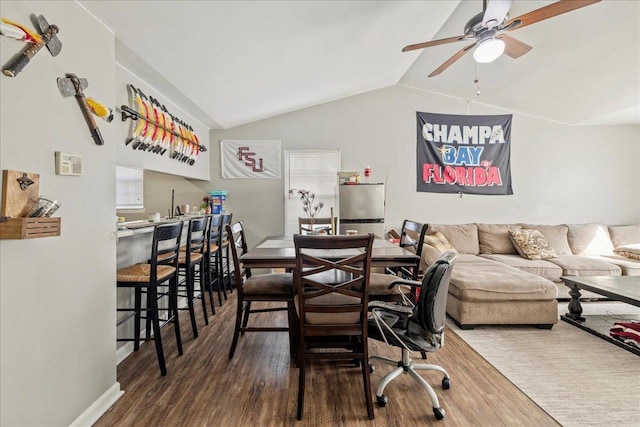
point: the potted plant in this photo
(307, 198)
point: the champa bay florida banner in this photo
(464, 154)
(251, 159)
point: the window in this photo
(129, 188)
(314, 170)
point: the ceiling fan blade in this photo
(514, 47)
(433, 43)
(554, 9)
(496, 12)
(451, 60)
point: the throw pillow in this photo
(434, 245)
(629, 251)
(429, 255)
(531, 244)
(438, 241)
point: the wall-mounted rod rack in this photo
(129, 113)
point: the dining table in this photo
(279, 252)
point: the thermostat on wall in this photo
(68, 164)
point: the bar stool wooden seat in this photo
(145, 278)
(192, 255)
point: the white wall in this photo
(561, 174)
(58, 294)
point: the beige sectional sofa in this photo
(492, 283)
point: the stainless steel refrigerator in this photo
(362, 208)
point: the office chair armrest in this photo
(392, 307)
(411, 283)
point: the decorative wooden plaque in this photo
(16, 201)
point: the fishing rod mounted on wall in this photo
(159, 131)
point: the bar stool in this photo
(223, 257)
(192, 255)
(212, 252)
(162, 268)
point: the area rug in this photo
(577, 378)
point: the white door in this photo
(313, 170)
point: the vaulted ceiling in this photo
(233, 62)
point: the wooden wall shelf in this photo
(29, 228)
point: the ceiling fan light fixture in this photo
(488, 50)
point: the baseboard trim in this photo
(99, 407)
(123, 352)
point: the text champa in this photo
(455, 134)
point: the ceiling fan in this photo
(488, 28)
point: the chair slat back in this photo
(412, 235)
(332, 283)
(304, 225)
(238, 245)
(196, 236)
(226, 220)
(215, 231)
(412, 239)
(165, 247)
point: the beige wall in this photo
(57, 294)
(561, 174)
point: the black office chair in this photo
(414, 328)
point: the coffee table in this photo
(617, 288)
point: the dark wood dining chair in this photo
(412, 239)
(260, 288)
(332, 316)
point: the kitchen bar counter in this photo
(134, 241)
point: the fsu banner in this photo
(250, 159)
(464, 154)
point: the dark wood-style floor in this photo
(259, 386)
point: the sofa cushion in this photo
(494, 238)
(540, 267)
(575, 265)
(556, 235)
(630, 267)
(487, 280)
(589, 239)
(623, 235)
(463, 237)
(531, 244)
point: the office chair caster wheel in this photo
(382, 400)
(439, 413)
(371, 369)
(446, 383)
